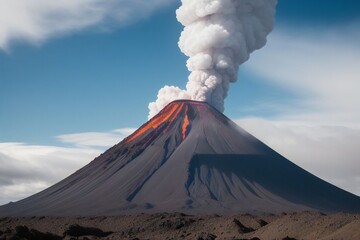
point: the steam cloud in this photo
(218, 37)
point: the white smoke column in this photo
(218, 37)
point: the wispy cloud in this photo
(320, 130)
(35, 21)
(96, 139)
(329, 152)
(322, 67)
(26, 169)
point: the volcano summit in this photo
(188, 158)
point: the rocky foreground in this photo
(306, 225)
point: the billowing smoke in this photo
(218, 37)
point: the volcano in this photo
(189, 158)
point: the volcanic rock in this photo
(189, 158)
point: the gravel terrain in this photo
(305, 225)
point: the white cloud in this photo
(26, 169)
(93, 139)
(35, 21)
(320, 130)
(321, 66)
(330, 152)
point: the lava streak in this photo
(171, 114)
(168, 115)
(162, 117)
(185, 123)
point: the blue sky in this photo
(91, 80)
(94, 78)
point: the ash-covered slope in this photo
(188, 158)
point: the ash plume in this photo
(218, 36)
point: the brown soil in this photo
(305, 225)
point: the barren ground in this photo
(305, 225)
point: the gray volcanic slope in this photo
(189, 158)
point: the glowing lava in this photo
(185, 123)
(171, 115)
(167, 115)
(163, 116)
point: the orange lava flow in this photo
(156, 122)
(173, 116)
(185, 124)
(176, 113)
